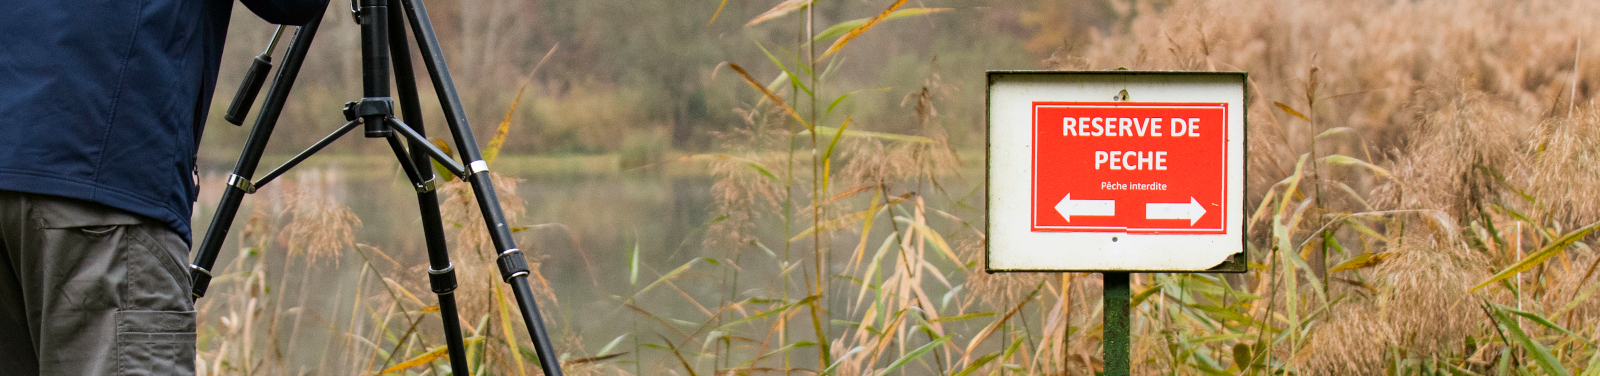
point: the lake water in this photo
(592, 222)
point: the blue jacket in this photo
(105, 100)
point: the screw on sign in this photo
(1152, 168)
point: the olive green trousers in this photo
(86, 289)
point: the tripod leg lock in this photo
(512, 264)
(200, 279)
(443, 281)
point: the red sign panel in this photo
(1148, 168)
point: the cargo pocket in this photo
(155, 343)
(90, 218)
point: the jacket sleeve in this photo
(286, 12)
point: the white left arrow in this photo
(1099, 208)
(1191, 211)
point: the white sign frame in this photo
(1013, 247)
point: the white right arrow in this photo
(1099, 208)
(1191, 211)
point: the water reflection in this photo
(581, 227)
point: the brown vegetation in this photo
(1421, 197)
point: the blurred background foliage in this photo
(619, 68)
(702, 191)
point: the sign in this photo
(1147, 168)
(1115, 170)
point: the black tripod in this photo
(382, 33)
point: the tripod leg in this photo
(239, 182)
(513, 265)
(441, 273)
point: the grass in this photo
(1421, 202)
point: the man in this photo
(101, 107)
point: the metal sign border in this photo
(1237, 263)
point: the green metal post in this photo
(1115, 339)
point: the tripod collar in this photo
(369, 106)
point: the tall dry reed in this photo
(1420, 200)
